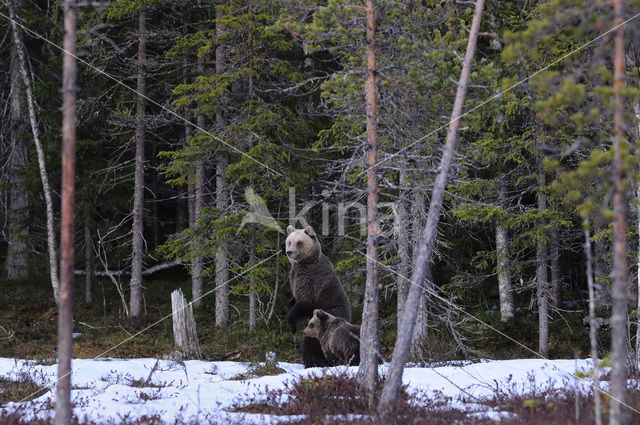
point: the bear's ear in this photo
(309, 231)
(290, 229)
(320, 314)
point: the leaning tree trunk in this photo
(46, 189)
(619, 269)
(18, 213)
(403, 341)
(593, 326)
(505, 288)
(222, 201)
(368, 370)
(135, 304)
(67, 225)
(542, 279)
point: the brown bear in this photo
(339, 339)
(315, 285)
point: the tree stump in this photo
(184, 326)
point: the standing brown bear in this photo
(315, 285)
(339, 339)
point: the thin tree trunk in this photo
(619, 269)
(368, 370)
(46, 189)
(253, 304)
(505, 288)
(593, 325)
(135, 304)
(89, 265)
(67, 228)
(403, 342)
(222, 201)
(18, 213)
(554, 262)
(196, 190)
(542, 279)
(636, 112)
(402, 235)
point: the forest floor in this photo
(28, 327)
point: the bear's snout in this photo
(289, 253)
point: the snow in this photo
(103, 391)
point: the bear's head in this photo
(301, 244)
(318, 324)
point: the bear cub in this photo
(315, 285)
(339, 339)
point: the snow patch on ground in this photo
(108, 389)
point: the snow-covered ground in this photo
(102, 389)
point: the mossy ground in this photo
(29, 312)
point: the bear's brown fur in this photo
(315, 285)
(339, 339)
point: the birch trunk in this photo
(618, 381)
(135, 304)
(18, 213)
(368, 371)
(46, 189)
(391, 388)
(593, 325)
(67, 227)
(222, 201)
(542, 278)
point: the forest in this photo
(469, 168)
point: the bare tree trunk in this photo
(18, 213)
(89, 265)
(67, 228)
(403, 342)
(222, 201)
(421, 330)
(542, 279)
(619, 270)
(593, 325)
(46, 189)
(554, 261)
(253, 304)
(196, 190)
(505, 288)
(636, 112)
(135, 302)
(368, 370)
(402, 235)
